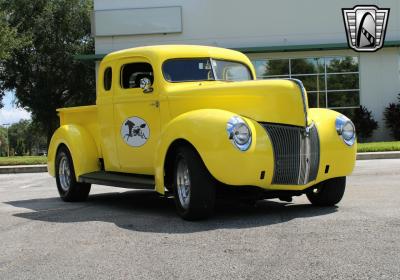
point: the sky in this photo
(10, 114)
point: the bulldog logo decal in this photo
(135, 131)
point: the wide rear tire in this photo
(68, 188)
(327, 193)
(194, 186)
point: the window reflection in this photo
(342, 81)
(271, 68)
(307, 66)
(343, 99)
(312, 82)
(331, 82)
(341, 64)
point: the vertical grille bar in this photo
(296, 154)
(304, 161)
(314, 153)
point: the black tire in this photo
(249, 202)
(68, 188)
(201, 185)
(327, 193)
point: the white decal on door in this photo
(135, 131)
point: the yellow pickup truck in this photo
(194, 122)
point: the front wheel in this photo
(68, 188)
(194, 187)
(327, 193)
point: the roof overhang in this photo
(268, 49)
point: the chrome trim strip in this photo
(304, 158)
(303, 96)
(309, 146)
(315, 154)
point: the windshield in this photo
(205, 69)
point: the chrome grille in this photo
(314, 154)
(296, 153)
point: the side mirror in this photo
(145, 84)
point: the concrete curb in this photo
(23, 169)
(43, 167)
(378, 155)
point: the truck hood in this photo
(274, 101)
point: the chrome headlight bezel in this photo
(346, 130)
(233, 126)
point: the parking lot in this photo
(125, 234)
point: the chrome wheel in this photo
(183, 184)
(64, 173)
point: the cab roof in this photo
(164, 52)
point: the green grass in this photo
(361, 148)
(378, 147)
(26, 160)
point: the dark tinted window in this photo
(132, 74)
(107, 78)
(180, 70)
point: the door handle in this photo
(155, 104)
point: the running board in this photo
(121, 180)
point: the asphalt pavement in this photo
(124, 234)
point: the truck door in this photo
(105, 94)
(136, 116)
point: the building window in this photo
(331, 82)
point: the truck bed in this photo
(85, 116)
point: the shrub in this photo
(392, 118)
(364, 123)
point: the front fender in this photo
(334, 152)
(205, 129)
(81, 145)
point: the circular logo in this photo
(135, 131)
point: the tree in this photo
(17, 133)
(35, 139)
(9, 41)
(20, 148)
(3, 141)
(364, 122)
(44, 73)
(392, 118)
(26, 137)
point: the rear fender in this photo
(81, 145)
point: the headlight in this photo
(345, 128)
(239, 133)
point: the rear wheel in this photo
(327, 193)
(68, 188)
(194, 187)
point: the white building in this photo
(303, 39)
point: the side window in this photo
(132, 73)
(107, 79)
